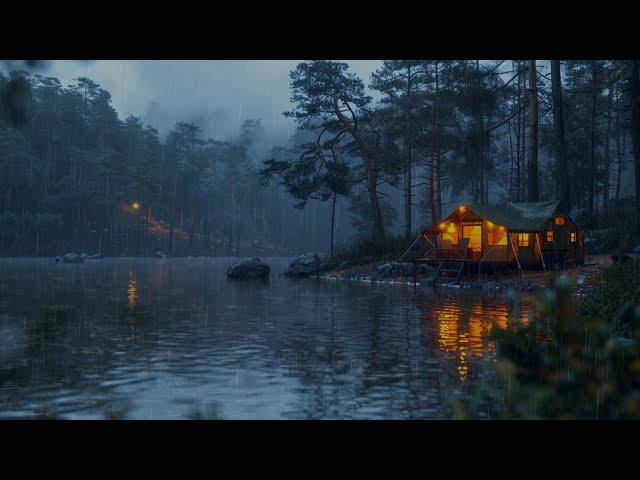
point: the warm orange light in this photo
(452, 228)
(559, 220)
(462, 208)
(523, 239)
(489, 224)
(135, 205)
(442, 226)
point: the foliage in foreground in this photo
(570, 363)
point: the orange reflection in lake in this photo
(132, 289)
(463, 326)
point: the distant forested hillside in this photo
(76, 177)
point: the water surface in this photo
(175, 339)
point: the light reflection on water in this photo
(464, 325)
(146, 338)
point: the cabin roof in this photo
(518, 216)
(523, 216)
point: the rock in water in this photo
(159, 254)
(249, 268)
(72, 258)
(307, 264)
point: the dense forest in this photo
(76, 177)
(384, 155)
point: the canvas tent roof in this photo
(524, 216)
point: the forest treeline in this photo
(480, 131)
(76, 177)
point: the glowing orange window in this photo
(573, 237)
(523, 239)
(474, 234)
(559, 220)
(549, 236)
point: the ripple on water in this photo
(175, 339)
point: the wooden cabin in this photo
(531, 235)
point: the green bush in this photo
(566, 364)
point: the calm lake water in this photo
(175, 339)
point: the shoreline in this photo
(581, 277)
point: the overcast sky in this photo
(217, 94)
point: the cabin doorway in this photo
(474, 233)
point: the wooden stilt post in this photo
(516, 254)
(491, 249)
(540, 250)
(412, 244)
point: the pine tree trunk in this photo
(635, 131)
(432, 192)
(533, 134)
(173, 217)
(438, 176)
(619, 150)
(561, 145)
(513, 163)
(481, 138)
(519, 196)
(367, 158)
(333, 221)
(407, 195)
(607, 157)
(592, 134)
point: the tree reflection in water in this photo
(164, 339)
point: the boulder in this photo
(71, 258)
(307, 264)
(249, 268)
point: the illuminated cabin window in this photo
(497, 237)
(451, 234)
(559, 221)
(523, 239)
(573, 237)
(474, 234)
(549, 236)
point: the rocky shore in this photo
(402, 273)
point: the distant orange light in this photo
(443, 226)
(135, 205)
(462, 208)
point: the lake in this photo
(175, 339)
